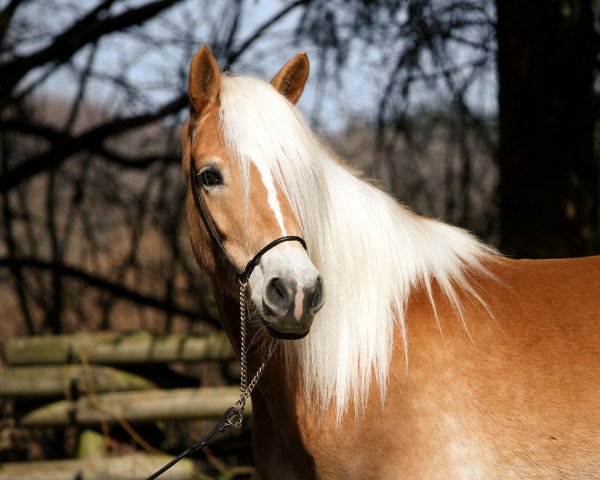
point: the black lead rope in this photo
(233, 416)
(223, 424)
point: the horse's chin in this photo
(284, 335)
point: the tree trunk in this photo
(548, 173)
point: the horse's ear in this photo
(205, 80)
(292, 77)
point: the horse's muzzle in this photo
(289, 308)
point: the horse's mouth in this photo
(284, 335)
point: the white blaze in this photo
(269, 184)
(298, 307)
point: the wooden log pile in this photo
(82, 380)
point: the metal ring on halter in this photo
(211, 230)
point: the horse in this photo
(406, 348)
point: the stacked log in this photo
(111, 348)
(130, 467)
(136, 407)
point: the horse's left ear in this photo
(205, 80)
(290, 80)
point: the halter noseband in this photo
(211, 230)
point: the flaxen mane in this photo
(356, 234)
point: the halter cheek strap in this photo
(211, 230)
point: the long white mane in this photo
(370, 250)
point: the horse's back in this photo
(548, 312)
(511, 391)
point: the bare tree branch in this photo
(233, 55)
(100, 283)
(6, 16)
(88, 140)
(84, 31)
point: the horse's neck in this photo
(229, 312)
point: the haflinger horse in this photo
(407, 349)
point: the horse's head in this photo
(244, 207)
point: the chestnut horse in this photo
(407, 348)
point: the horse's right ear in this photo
(205, 80)
(290, 80)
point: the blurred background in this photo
(483, 113)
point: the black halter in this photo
(211, 230)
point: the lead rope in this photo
(233, 417)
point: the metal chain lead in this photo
(233, 417)
(243, 313)
(236, 418)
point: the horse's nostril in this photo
(278, 288)
(318, 297)
(279, 295)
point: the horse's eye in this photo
(210, 178)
